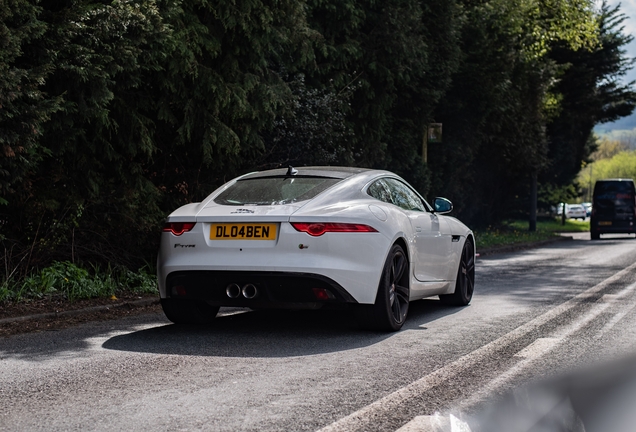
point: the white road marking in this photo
(432, 423)
(435, 423)
(384, 406)
(614, 299)
(607, 327)
(537, 348)
(529, 354)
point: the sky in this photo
(626, 124)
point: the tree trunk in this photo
(533, 203)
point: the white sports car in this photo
(314, 237)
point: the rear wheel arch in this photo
(390, 309)
(471, 238)
(465, 281)
(402, 242)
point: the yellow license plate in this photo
(605, 223)
(243, 231)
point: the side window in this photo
(380, 191)
(404, 197)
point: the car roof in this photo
(313, 171)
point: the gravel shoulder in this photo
(53, 314)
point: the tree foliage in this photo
(112, 113)
(397, 58)
(620, 165)
(157, 102)
(503, 100)
(24, 107)
(607, 148)
(590, 93)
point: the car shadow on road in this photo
(268, 333)
(425, 311)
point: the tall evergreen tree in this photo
(590, 92)
(90, 184)
(496, 112)
(159, 101)
(222, 88)
(397, 58)
(24, 107)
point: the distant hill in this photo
(619, 130)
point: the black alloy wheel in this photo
(392, 300)
(398, 288)
(465, 284)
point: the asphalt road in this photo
(536, 314)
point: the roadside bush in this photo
(67, 280)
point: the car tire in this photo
(465, 284)
(391, 306)
(186, 311)
(595, 235)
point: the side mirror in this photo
(442, 205)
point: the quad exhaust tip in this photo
(233, 291)
(249, 291)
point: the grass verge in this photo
(516, 232)
(68, 281)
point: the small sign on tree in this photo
(432, 134)
(435, 133)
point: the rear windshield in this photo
(274, 190)
(614, 191)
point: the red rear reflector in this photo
(318, 229)
(322, 294)
(178, 290)
(178, 228)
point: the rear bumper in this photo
(617, 227)
(350, 261)
(270, 289)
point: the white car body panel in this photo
(432, 247)
(352, 260)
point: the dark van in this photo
(613, 207)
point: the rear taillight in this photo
(318, 229)
(178, 228)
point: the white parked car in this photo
(314, 237)
(573, 211)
